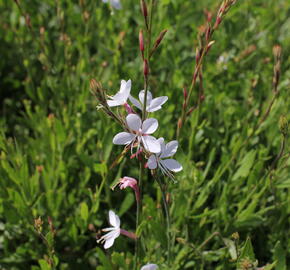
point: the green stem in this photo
(144, 115)
(139, 216)
(168, 222)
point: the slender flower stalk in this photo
(146, 72)
(167, 215)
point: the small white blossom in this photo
(150, 266)
(161, 160)
(152, 104)
(114, 3)
(121, 97)
(113, 232)
(139, 132)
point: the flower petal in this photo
(133, 121)
(111, 238)
(114, 102)
(170, 149)
(114, 219)
(135, 102)
(150, 266)
(171, 164)
(152, 162)
(156, 104)
(123, 138)
(149, 126)
(125, 88)
(151, 144)
(162, 144)
(142, 95)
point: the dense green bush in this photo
(56, 148)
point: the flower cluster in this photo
(138, 133)
(137, 136)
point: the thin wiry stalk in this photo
(168, 222)
(144, 114)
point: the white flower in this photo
(114, 3)
(150, 266)
(113, 232)
(161, 159)
(121, 97)
(152, 105)
(139, 133)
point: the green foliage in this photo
(56, 149)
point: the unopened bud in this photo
(144, 9)
(217, 22)
(95, 86)
(208, 32)
(283, 125)
(208, 15)
(159, 38)
(184, 93)
(145, 68)
(141, 41)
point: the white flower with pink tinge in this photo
(139, 132)
(152, 104)
(162, 160)
(121, 97)
(113, 232)
(150, 266)
(114, 3)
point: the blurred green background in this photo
(56, 148)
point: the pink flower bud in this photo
(159, 39)
(145, 68)
(141, 41)
(128, 108)
(127, 181)
(217, 22)
(184, 93)
(208, 32)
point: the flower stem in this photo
(168, 222)
(147, 58)
(139, 216)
